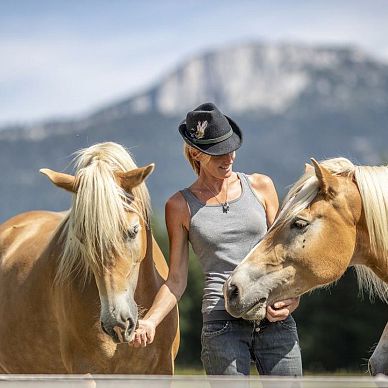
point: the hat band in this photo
(213, 141)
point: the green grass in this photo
(180, 370)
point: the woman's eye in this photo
(300, 224)
(132, 232)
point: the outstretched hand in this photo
(144, 334)
(282, 309)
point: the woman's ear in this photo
(195, 154)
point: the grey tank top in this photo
(222, 240)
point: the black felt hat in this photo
(210, 131)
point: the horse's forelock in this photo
(302, 193)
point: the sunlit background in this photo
(302, 79)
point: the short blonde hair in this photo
(189, 151)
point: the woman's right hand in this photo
(144, 334)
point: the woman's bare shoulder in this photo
(260, 182)
(176, 209)
(176, 201)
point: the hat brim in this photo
(223, 147)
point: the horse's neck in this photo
(150, 279)
(363, 254)
(72, 297)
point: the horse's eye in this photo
(300, 224)
(132, 231)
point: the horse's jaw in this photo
(247, 296)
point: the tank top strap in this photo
(247, 188)
(192, 201)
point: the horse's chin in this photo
(251, 309)
(255, 313)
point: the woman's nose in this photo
(230, 156)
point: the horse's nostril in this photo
(262, 300)
(103, 328)
(130, 324)
(233, 291)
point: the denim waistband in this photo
(223, 315)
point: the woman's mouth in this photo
(226, 168)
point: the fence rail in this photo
(129, 381)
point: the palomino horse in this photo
(335, 216)
(71, 283)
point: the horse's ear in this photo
(327, 181)
(308, 168)
(64, 181)
(130, 179)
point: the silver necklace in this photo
(225, 205)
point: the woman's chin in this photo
(226, 173)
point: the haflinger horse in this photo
(72, 284)
(335, 216)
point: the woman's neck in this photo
(217, 184)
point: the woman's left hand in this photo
(282, 309)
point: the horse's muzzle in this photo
(242, 307)
(232, 295)
(120, 332)
(378, 367)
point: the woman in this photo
(223, 214)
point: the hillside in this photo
(292, 102)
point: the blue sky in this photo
(63, 58)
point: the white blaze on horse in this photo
(335, 216)
(71, 283)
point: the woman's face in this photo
(220, 166)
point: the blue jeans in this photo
(229, 346)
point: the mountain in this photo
(292, 102)
(269, 78)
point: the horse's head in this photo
(310, 244)
(105, 234)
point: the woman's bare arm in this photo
(176, 214)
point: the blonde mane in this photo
(95, 228)
(372, 183)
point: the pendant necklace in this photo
(225, 205)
